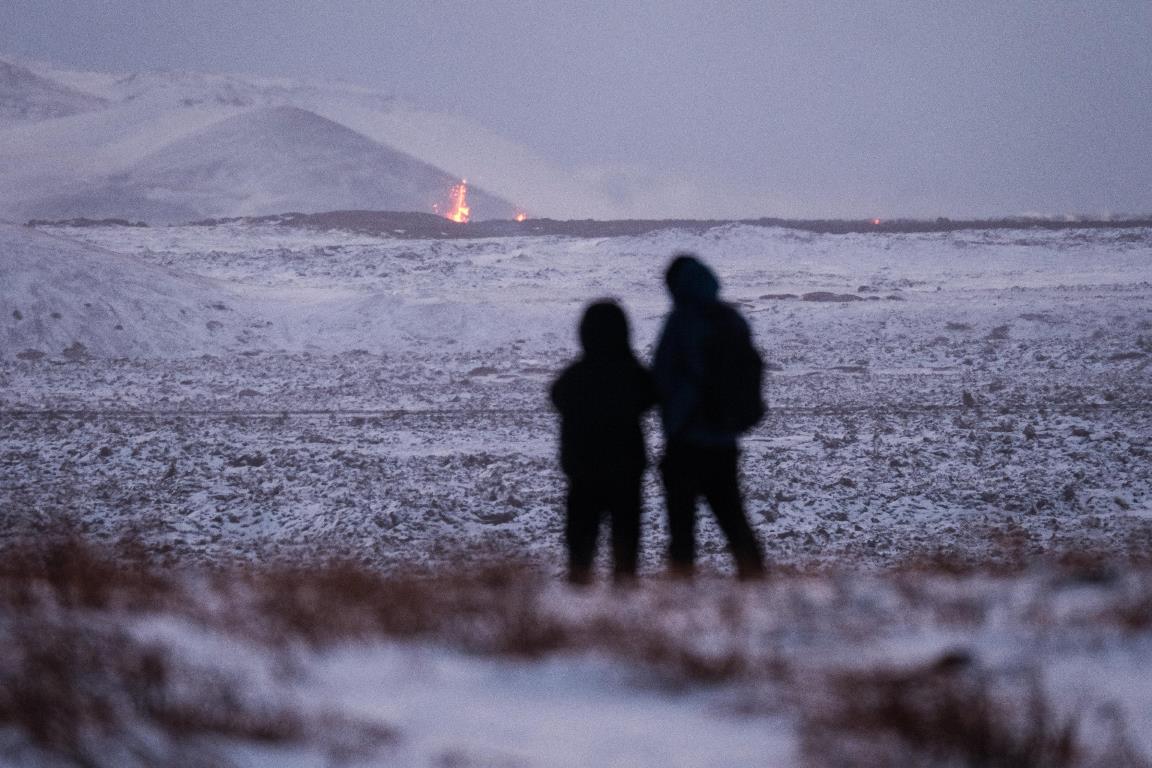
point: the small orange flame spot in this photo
(458, 198)
(875, 222)
(521, 216)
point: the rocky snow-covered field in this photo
(956, 420)
(387, 397)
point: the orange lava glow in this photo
(876, 222)
(521, 217)
(458, 199)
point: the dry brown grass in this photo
(80, 686)
(502, 609)
(82, 689)
(950, 713)
(1133, 614)
(1012, 552)
(63, 568)
(88, 693)
(491, 609)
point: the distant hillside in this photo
(266, 161)
(28, 97)
(420, 226)
(172, 147)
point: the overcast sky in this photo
(800, 108)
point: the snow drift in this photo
(61, 298)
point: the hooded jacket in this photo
(680, 364)
(601, 398)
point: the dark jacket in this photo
(679, 367)
(601, 398)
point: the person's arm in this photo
(677, 368)
(561, 391)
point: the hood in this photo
(691, 282)
(604, 330)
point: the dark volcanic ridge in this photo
(422, 226)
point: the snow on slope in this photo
(447, 141)
(147, 146)
(57, 156)
(177, 89)
(450, 141)
(148, 106)
(119, 305)
(28, 97)
(58, 297)
(270, 160)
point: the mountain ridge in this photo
(260, 162)
(27, 97)
(172, 148)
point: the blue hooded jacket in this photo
(680, 364)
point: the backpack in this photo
(731, 396)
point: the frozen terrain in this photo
(249, 391)
(954, 473)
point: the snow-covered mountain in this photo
(27, 97)
(173, 89)
(263, 161)
(166, 147)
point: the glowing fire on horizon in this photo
(458, 202)
(521, 216)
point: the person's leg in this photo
(721, 488)
(624, 506)
(680, 471)
(581, 529)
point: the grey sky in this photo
(794, 108)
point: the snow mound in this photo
(265, 161)
(60, 298)
(28, 97)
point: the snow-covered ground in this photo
(252, 391)
(976, 400)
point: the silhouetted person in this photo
(708, 376)
(601, 398)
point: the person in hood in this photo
(601, 398)
(705, 367)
